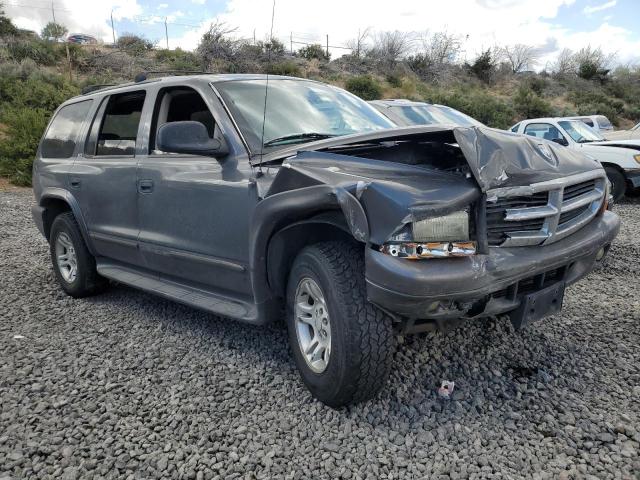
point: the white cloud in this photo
(163, 6)
(198, 2)
(78, 16)
(589, 9)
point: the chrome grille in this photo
(544, 212)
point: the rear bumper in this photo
(476, 286)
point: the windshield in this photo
(297, 111)
(430, 114)
(579, 131)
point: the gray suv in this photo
(249, 197)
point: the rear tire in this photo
(618, 182)
(73, 265)
(327, 288)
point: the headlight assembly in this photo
(437, 237)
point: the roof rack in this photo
(142, 76)
(92, 88)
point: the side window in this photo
(543, 130)
(588, 121)
(514, 129)
(62, 135)
(179, 104)
(115, 128)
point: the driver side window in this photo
(545, 131)
(178, 104)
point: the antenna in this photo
(266, 85)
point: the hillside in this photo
(37, 75)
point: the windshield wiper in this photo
(298, 137)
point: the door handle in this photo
(75, 183)
(145, 186)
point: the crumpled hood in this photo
(501, 159)
(392, 194)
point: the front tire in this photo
(618, 182)
(342, 344)
(73, 265)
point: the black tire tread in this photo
(371, 333)
(90, 281)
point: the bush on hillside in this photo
(134, 45)
(178, 59)
(19, 141)
(528, 104)
(364, 87)
(314, 51)
(283, 68)
(40, 51)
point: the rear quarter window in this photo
(62, 134)
(603, 121)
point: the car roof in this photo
(394, 102)
(180, 80)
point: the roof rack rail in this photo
(142, 76)
(93, 88)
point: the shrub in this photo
(528, 104)
(394, 80)
(54, 30)
(178, 59)
(40, 51)
(476, 103)
(19, 142)
(483, 67)
(283, 68)
(133, 44)
(314, 51)
(364, 87)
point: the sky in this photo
(550, 25)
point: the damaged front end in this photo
(458, 222)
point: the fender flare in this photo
(66, 196)
(282, 210)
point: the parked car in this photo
(631, 134)
(620, 159)
(599, 123)
(82, 39)
(408, 112)
(358, 230)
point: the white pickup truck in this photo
(620, 158)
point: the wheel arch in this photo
(55, 201)
(287, 221)
(287, 243)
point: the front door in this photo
(194, 210)
(104, 178)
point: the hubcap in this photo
(313, 327)
(66, 258)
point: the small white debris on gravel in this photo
(127, 385)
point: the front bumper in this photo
(475, 286)
(633, 176)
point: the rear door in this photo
(104, 177)
(194, 210)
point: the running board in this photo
(179, 292)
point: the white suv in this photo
(620, 159)
(599, 123)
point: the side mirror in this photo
(191, 138)
(561, 141)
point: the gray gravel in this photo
(126, 385)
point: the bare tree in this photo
(218, 44)
(390, 47)
(520, 57)
(440, 47)
(358, 44)
(565, 64)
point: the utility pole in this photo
(291, 42)
(53, 12)
(113, 30)
(254, 36)
(166, 32)
(327, 45)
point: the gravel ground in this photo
(126, 385)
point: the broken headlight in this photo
(437, 237)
